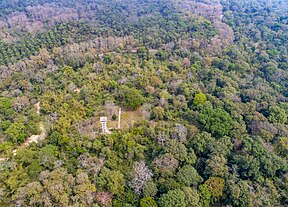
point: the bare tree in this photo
(140, 176)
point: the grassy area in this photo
(128, 119)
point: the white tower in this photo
(103, 121)
(119, 118)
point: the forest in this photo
(202, 86)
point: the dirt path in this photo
(38, 108)
(34, 138)
(39, 137)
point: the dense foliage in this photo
(202, 86)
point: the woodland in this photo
(203, 89)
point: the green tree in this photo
(30, 195)
(83, 190)
(17, 132)
(131, 97)
(174, 198)
(166, 164)
(199, 99)
(282, 146)
(177, 149)
(142, 53)
(148, 202)
(188, 176)
(216, 165)
(34, 169)
(205, 195)
(158, 113)
(5, 104)
(277, 115)
(150, 189)
(215, 120)
(191, 196)
(162, 54)
(111, 180)
(107, 59)
(200, 143)
(48, 155)
(216, 186)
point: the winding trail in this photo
(39, 137)
(34, 138)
